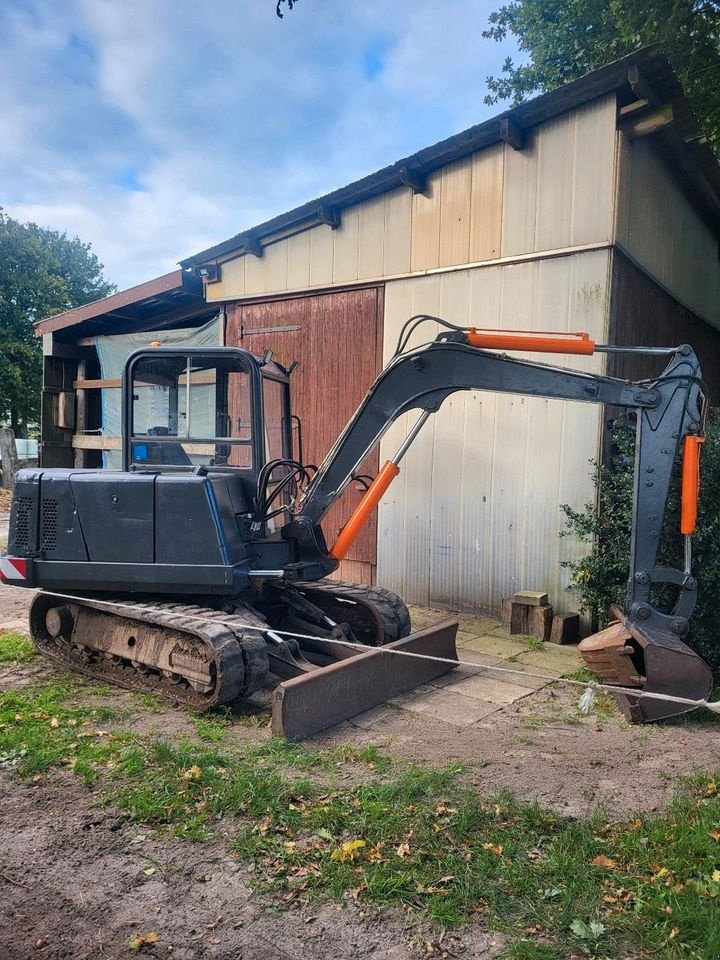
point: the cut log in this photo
(565, 627)
(8, 458)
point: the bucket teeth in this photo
(652, 662)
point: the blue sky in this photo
(154, 129)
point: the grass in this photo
(351, 822)
(15, 647)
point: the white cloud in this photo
(153, 130)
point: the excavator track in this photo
(375, 615)
(155, 646)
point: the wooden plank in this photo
(298, 261)
(82, 441)
(275, 265)
(371, 239)
(635, 127)
(321, 255)
(486, 192)
(346, 238)
(519, 203)
(398, 227)
(425, 231)
(231, 283)
(455, 192)
(255, 275)
(83, 384)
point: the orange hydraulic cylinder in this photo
(526, 340)
(690, 483)
(361, 513)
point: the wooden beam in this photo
(512, 133)
(96, 384)
(87, 441)
(647, 123)
(415, 179)
(72, 351)
(632, 109)
(328, 215)
(642, 89)
(81, 420)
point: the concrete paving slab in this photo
(372, 717)
(521, 676)
(462, 672)
(475, 625)
(447, 706)
(489, 688)
(559, 661)
(495, 646)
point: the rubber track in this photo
(241, 663)
(387, 606)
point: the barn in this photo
(595, 207)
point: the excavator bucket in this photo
(658, 663)
(307, 704)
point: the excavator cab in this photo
(211, 408)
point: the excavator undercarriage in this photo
(200, 570)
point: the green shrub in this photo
(600, 578)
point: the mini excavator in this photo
(201, 567)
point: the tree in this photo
(567, 38)
(42, 272)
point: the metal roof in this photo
(168, 300)
(685, 149)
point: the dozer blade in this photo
(652, 663)
(314, 701)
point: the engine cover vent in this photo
(48, 525)
(21, 529)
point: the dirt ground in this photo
(71, 881)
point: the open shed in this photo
(595, 207)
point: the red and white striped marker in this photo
(13, 569)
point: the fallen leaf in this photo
(193, 773)
(497, 849)
(716, 876)
(149, 871)
(673, 933)
(139, 940)
(715, 834)
(347, 851)
(602, 861)
(711, 789)
(402, 850)
(55, 722)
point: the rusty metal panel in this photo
(658, 227)
(335, 337)
(475, 513)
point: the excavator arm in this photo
(670, 413)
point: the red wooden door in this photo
(337, 339)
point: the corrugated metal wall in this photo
(475, 513)
(659, 228)
(556, 192)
